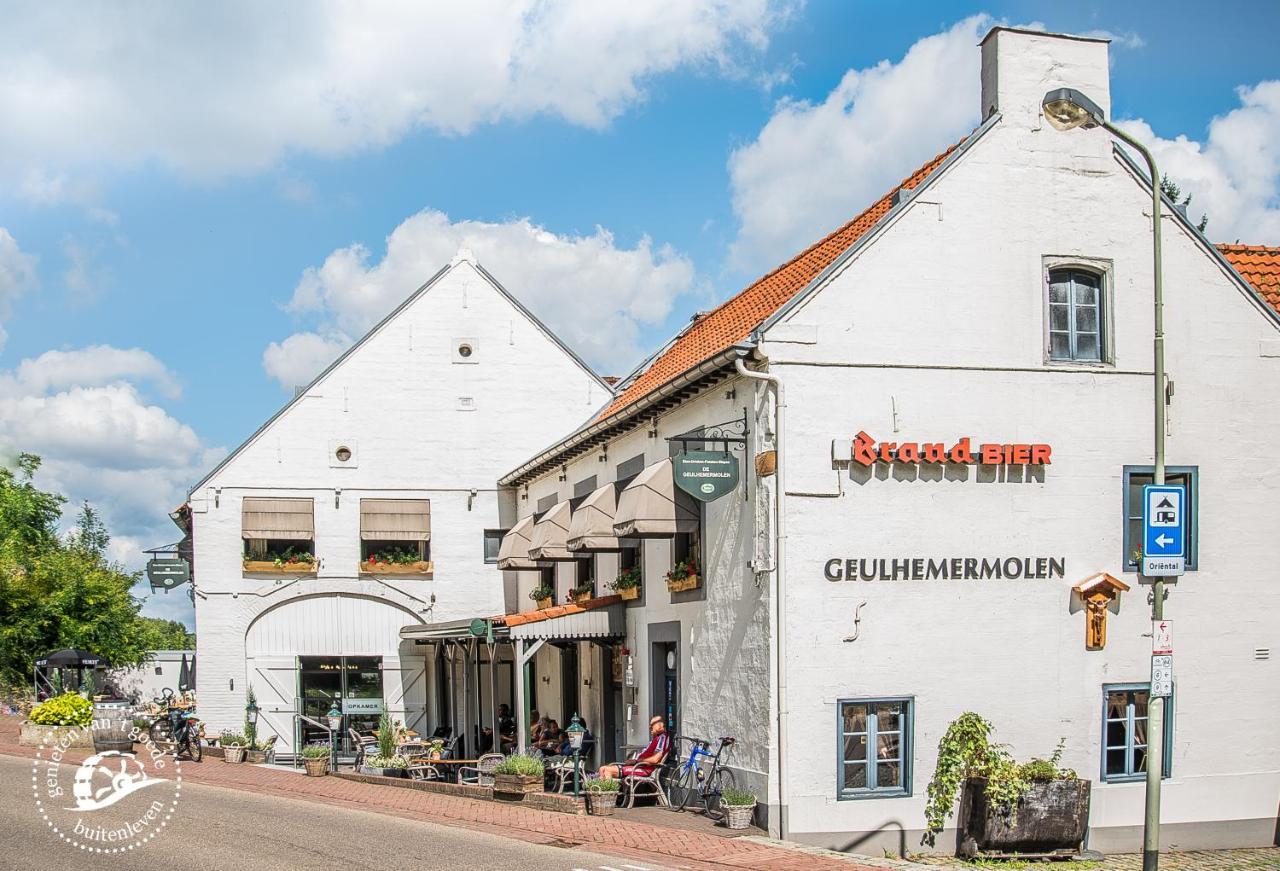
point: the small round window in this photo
(464, 350)
(343, 454)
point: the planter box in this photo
(689, 582)
(543, 603)
(579, 598)
(268, 567)
(739, 816)
(383, 772)
(1052, 818)
(602, 804)
(316, 767)
(232, 753)
(628, 593)
(517, 784)
(258, 757)
(418, 568)
(34, 735)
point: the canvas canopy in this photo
(591, 527)
(550, 533)
(652, 507)
(395, 519)
(278, 518)
(514, 551)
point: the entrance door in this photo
(353, 683)
(665, 667)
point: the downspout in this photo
(779, 586)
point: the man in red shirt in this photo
(648, 759)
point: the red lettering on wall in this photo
(864, 449)
(867, 451)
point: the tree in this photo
(90, 535)
(1170, 189)
(167, 635)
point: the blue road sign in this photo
(1164, 530)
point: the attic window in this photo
(464, 350)
(343, 454)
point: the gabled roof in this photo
(735, 319)
(1258, 265)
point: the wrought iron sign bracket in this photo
(732, 434)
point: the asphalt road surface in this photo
(228, 829)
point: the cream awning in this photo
(550, 533)
(278, 518)
(514, 551)
(395, 519)
(652, 507)
(591, 528)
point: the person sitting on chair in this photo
(653, 754)
(549, 739)
(506, 727)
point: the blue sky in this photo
(179, 197)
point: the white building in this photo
(1003, 295)
(161, 671)
(393, 450)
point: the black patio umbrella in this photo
(64, 659)
(184, 675)
(191, 674)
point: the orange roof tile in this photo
(556, 611)
(735, 319)
(1260, 266)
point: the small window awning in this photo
(278, 518)
(591, 528)
(395, 519)
(550, 533)
(513, 554)
(652, 507)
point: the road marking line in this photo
(637, 867)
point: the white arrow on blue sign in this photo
(1164, 530)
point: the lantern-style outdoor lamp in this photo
(576, 733)
(335, 732)
(251, 720)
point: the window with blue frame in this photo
(1135, 478)
(874, 748)
(1125, 734)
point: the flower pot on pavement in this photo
(233, 753)
(517, 784)
(601, 804)
(317, 766)
(739, 816)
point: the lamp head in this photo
(576, 733)
(1067, 109)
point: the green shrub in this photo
(232, 739)
(737, 797)
(69, 709)
(542, 592)
(386, 736)
(602, 784)
(320, 751)
(394, 761)
(523, 764)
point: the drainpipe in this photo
(779, 585)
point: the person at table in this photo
(549, 741)
(566, 746)
(506, 727)
(643, 764)
(535, 729)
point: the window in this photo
(1135, 478)
(1076, 315)
(874, 748)
(584, 573)
(395, 535)
(159, 670)
(1124, 733)
(492, 543)
(278, 530)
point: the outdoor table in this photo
(454, 762)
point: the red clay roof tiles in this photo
(556, 611)
(1260, 266)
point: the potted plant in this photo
(519, 774)
(288, 562)
(386, 762)
(583, 593)
(233, 746)
(602, 796)
(315, 757)
(395, 561)
(627, 584)
(260, 752)
(683, 576)
(1006, 807)
(542, 595)
(66, 720)
(739, 807)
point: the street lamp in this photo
(1067, 109)
(251, 720)
(335, 732)
(576, 733)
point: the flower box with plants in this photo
(584, 593)
(1033, 808)
(286, 562)
(233, 746)
(386, 762)
(542, 596)
(627, 584)
(739, 807)
(683, 577)
(396, 561)
(602, 796)
(519, 774)
(260, 752)
(66, 720)
(315, 758)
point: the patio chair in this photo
(562, 771)
(423, 771)
(362, 744)
(651, 782)
(269, 748)
(450, 748)
(483, 770)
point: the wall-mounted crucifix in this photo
(1097, 593)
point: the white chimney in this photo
(1020, 66)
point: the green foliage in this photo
(737, 797)
(250, 729)
(521, 763)
(683, 569)
(167, 634)
(1172, 191)
(394, 556)
(602, 784)
(542, 592)
(232, 739)
(387, 761)
(966, 752)
(386, 736)
(627, 578)
(68, 709)
(587, 586)
(282, 558)
(320, 751)
(90, 535)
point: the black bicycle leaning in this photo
(176, 731)
(702, 778)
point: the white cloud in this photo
(94, 366)
(1234, 175)
(232, 86)
(592, 293)
(17, 275)
(816, 165)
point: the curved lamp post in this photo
(1067, 109)
(576, 733)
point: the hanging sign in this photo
(706, 475)
(167, 573)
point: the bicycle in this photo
(177, 731)
(702, 778)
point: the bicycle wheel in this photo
(194, 751)
(682, 787)
(161, 736)
(720, 780)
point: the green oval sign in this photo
(166, 574)
(706, 475)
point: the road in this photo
(220, 829)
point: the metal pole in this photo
(1155, 704)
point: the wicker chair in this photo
(362, 745)
(483, 770)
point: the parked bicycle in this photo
(176, 731)
(702, 777)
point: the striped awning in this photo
(514, 551)
(591, 528)
(652, 507)
(280, 518)
(395, 519)
(600, 618)
(549, 534)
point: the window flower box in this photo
(629, 593)
(274, 567)
(542, 603)
(421, 567)
(580, 596)
(682, 585)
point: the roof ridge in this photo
(1244, 246)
